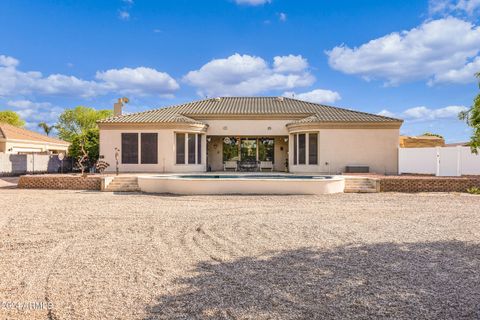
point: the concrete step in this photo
(360, 185)
(123, 184)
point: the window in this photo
(266, 149)
(295, 143)
(129, 148)
(248, 149)
(191, 148)
(199, 148)
(312, 148)
(149, 144)
(230, 149)
(180, 148)
(301, 148)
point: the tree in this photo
(78, 121)
(11, 117)
(429, 134)
(46, 128)
(472, 118)
(90, 140)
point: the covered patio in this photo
(247, 153)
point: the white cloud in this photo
(253, 2)
(465, 74)
(282, 16)
(289, 63)
(7, 61)
(386, 113)
(447, 7)
(249, 75)
(124, 15)
(35, 112)
(316, 96)
(138, 81)
(428, 51)
(141, 81)
(423, 113)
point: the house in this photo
(421, 142)
(15, 140)
(279, 132)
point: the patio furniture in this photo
(268, 165)
(248, 165)
(230, 165)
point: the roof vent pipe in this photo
(218, 99)
(117, 107)
(280, 98)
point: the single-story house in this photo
(15, 140)
(272, 133)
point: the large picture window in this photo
(130, 148)
(188, 145)
(149, 144)
(312, 148)
(295, 146)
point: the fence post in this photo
(459, 161)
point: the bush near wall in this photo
(65, 182)
(428, 184)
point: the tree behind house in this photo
(472, 118)
(11, 117)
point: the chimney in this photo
(117, 107)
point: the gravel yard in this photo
(92, 255)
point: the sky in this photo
(411, 59)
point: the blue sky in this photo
(410, 59)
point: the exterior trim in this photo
(197, 128)
(299, 127)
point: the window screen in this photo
(129, 148)
(180, 143)
(191, 148)
(301, 148)
(149, 144)
(312, 148)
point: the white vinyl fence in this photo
(30, 163)
(440, 161)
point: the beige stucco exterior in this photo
(12, 146)
(339, 144)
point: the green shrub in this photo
(473, 190)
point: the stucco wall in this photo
(377, 148)
(262, 128)
(109, 139)
(24, 146)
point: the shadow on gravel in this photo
(434, 280)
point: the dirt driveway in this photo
(91, 255)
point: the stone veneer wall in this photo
(59, 182)
(430, 184)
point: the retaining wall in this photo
(428, 184)
(65, 182)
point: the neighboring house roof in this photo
(301, 111)
(9, 132)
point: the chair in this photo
(229, 165)
(266, 165)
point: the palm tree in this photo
(46, 127)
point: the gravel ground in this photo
(92, 255)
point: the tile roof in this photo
(8, 131)
(237, 106)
